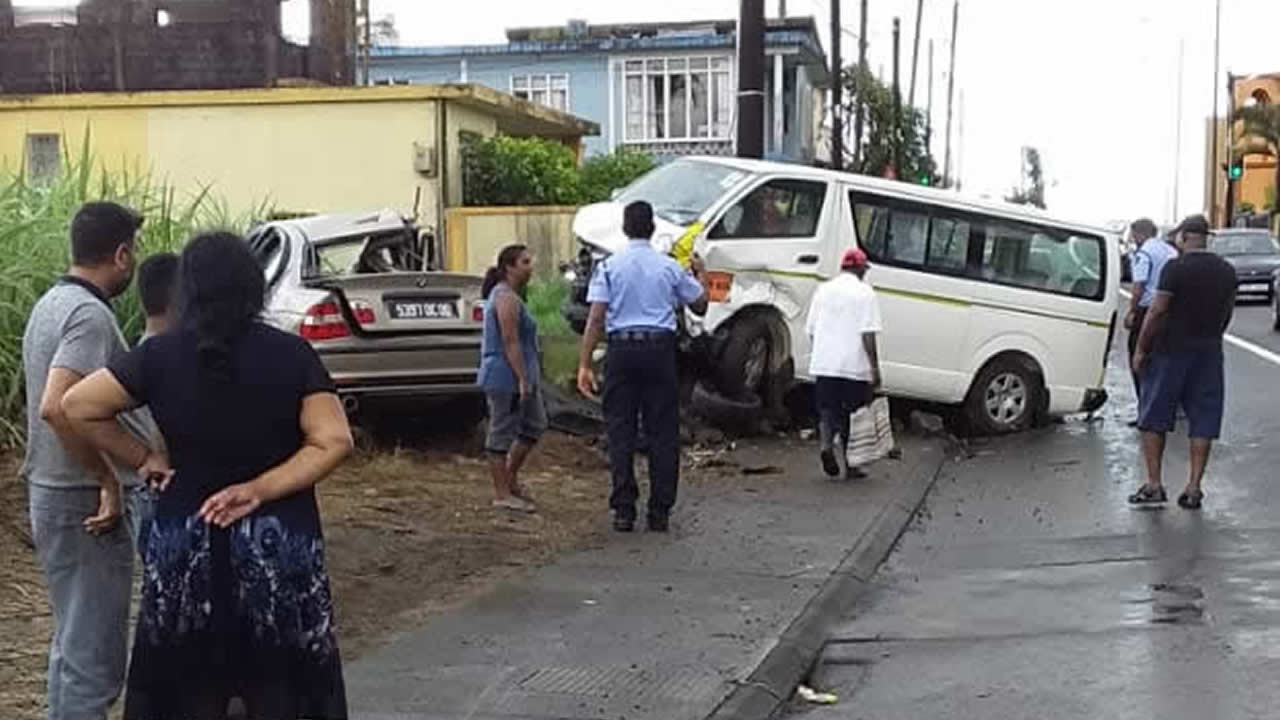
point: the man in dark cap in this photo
(1179, 358)
(634, 297)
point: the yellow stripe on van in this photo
(939, 299)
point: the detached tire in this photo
(723, 412)
(1004, 399)
(744, 364)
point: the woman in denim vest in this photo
(510, 376)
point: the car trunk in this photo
(406, 302)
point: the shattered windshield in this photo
(681, 191)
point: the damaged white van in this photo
(995, 308)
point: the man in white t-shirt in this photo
(844, 318)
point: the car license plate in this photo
(1255, 287)
(423, 309)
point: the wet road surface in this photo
(1029, 589)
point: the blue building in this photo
(664, 88)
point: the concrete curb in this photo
(772, 683)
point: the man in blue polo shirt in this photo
(634, 295)
(1149, 259)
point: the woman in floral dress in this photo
(235, 599)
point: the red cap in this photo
(853, 258)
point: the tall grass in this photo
(35, 251)
(559, 342)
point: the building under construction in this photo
(130, 45)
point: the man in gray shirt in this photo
(75, 496)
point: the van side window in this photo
(916, 235)
(948, 244)
(1042, 259)
(777, 209)
(891, 232)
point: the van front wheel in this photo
(744, 364)
(1003, 398)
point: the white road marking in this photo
(1241, 343)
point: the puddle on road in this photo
(1168, 604)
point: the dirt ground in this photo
(410, 533)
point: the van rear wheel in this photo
(1004, 398)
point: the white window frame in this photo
(645, 74)
(550, 79)
(40, 173)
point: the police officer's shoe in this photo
(622, 523)
(659, 523)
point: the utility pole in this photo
(960, 147)
(915, 54)
(782, 9)
(1177, 143)
(368, 39)
(751, 79)
(1213, 164)
(951, 93)
(837, 88)
(1230, 205)
(928, 113)
(859, 109)
(897, 102)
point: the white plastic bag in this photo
(870, 434)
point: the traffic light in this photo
(925, 180)
(1235, 170)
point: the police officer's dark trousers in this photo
(640, 380)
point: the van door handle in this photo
(808, 259)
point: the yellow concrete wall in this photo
(118, 135)
(298, 157)
(475, 235)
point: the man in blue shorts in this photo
(1179, 359)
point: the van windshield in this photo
(681, 191)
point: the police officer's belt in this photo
(640, 335)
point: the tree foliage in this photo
(503, 170)
(888, 140)
(602, 174)
(1261, 137)
(1032, 190)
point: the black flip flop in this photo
(1149, 496)
(1191, 500)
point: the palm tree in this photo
(1261, 136)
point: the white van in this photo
(991, 306)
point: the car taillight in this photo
(324, 321)
(477, 312)
(364, 313)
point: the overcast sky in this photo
(1092, 83)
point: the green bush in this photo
(504, 170)
(34, 251)
(544, 299)
(602, 174)
(500, 170)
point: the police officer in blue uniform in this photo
(634, 295)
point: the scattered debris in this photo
(762, 470)
(808, 694)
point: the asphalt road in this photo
(1029, 589)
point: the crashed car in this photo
(997, 309)
(360, 289)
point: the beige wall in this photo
(460, 119)
(475, 235)
(300, 158)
